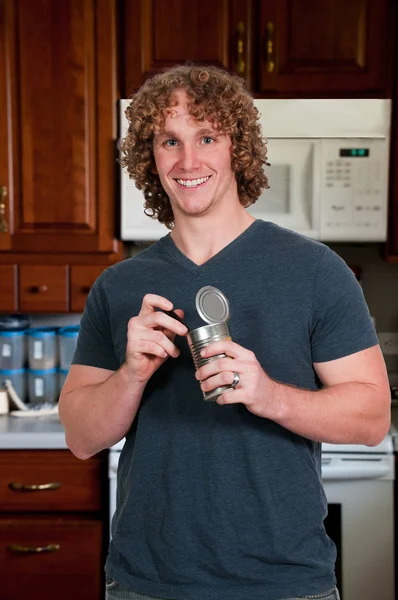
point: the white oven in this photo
(359, 486)
(328, 172)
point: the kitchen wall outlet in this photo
(388, 342)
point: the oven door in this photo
(293, 197)
(360, 522)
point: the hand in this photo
(150, 338)
(255, 387)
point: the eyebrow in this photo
(200, 132)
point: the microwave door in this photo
(292, 200)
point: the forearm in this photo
(350, 413)
(98, 416)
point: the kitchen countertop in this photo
(45, 433)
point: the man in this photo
(220, 500)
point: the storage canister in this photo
(67, 338)
(18, 380)
(12, 350)
(42, 347)
(42, 385)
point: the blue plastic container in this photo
(12, 350)
(42, 347)
(18, 380)
(67, 340)
(42, 385)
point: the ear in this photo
(154, 170)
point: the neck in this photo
(202, 238)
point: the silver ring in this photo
(235, 380)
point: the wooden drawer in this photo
(9, 288)
(81, 280)
(79, 489)
(44, 288)
(72, 569)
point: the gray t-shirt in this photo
(213, 501)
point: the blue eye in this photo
(171, 143)
(208, 140)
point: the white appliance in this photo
(359, 486)
(328, 175)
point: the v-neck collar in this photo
(168, 246)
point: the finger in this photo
(232, 397)
(148, 341)
(219, 380)
(171, 334)
(152, 301)
(217, 366)
(160, 319)
(227, 347)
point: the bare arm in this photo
(98, 406)
(352, 408)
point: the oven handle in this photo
(355, 470)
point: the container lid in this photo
(42, 371)
(69, 331)
(212, 305)
(14, 322)
(11, 372)
(11, 333)
(41, 331)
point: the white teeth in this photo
(192, 182)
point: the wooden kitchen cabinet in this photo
(82, 279)
(68, 566)
(282, 48)
(9, 287)
(154, 34)
(334, 48)
(58, 134)
(43, 288)
(53, 538)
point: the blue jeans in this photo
(115, 591)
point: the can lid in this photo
(212, 305)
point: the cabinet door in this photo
(44, 288)
(81, 280)
(161, 33)
(50, 481)
(324, 47)
(47, 558)
(56, 70)
(9, 288)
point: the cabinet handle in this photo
(3, 222)
(23, 487)
(240, 63)
(33, 549)
(270, 65)
(38, 289)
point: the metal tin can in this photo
(213, 307)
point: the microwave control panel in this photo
(354, 189)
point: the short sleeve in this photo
(95, 344)
(340, 322)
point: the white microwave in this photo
(328, 172)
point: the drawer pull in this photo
(23, 487)
(33, 549)
(38, 289)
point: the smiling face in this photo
(193, 162)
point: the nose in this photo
(189, 158)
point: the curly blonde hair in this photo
(213, 95)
